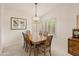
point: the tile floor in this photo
(17, 50)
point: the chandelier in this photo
(36, 18)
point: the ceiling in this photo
(42, 9)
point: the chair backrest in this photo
(24, 36)
(49, 40)
(27, 32)
(40, 33)
(26, 39)
(45, 33)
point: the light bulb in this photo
(36, 18)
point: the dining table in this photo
(36, 40)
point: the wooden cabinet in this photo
(73, 46)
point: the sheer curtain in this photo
(44, 25)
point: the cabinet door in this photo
(74, 47)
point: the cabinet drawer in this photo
(73, 47)
(74, 43)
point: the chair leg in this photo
(26, 49)
(50, 52)
(44, 52)
(37, 51)
(29, 51)
(24, 45)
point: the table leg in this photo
(34, 50)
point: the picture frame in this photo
(75, 33)
(77, 24)
(18, 23)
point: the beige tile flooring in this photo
(18, 50)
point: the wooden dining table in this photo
(36, 40)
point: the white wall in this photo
(9, 36)
(0, 28)
(66, 21)
(65, 15)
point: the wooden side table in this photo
(73, 46)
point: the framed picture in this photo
(18, 23)
(77, 22)
(75, 33)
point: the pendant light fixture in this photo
(36, 18)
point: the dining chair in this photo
(31, 46)
(27, 31)
(45, 33)
(46, 46)
(27, 43)
(24, 40)
(24, 35)
(40, 33)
